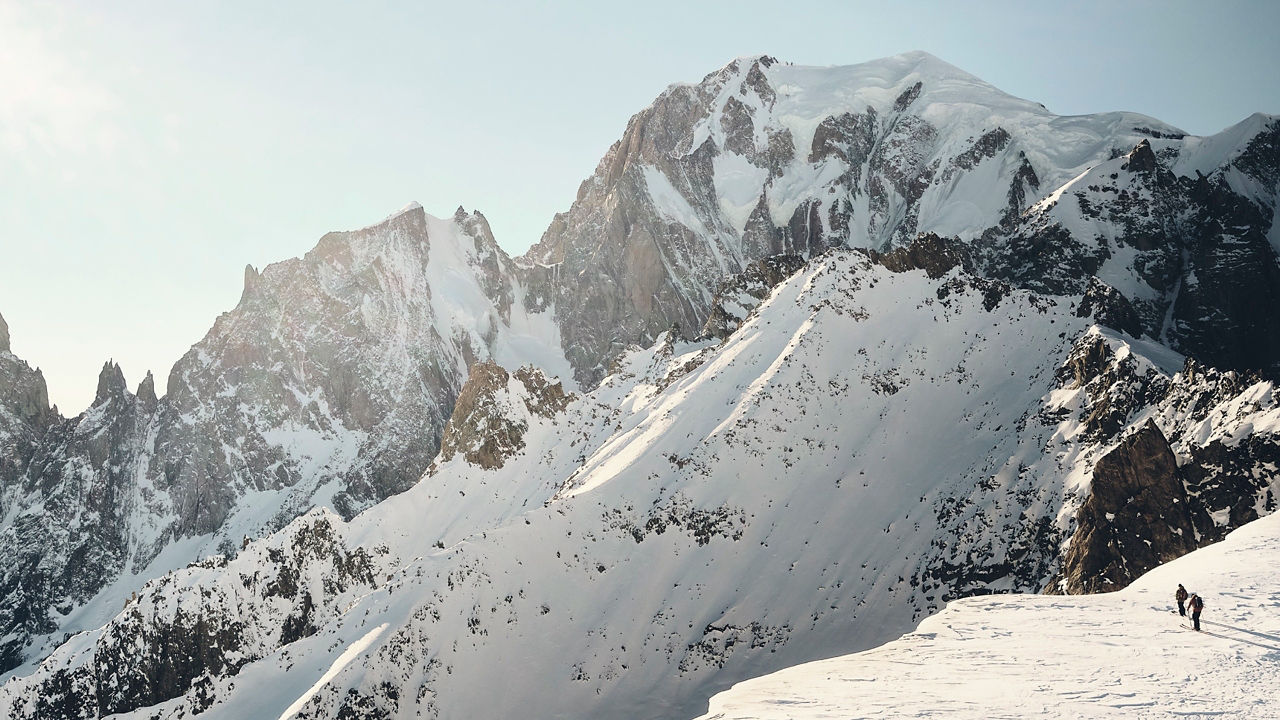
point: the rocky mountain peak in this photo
(351, 248)
(251, 279)
(23, 396)
(146, 393)
(111, 383)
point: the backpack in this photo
(1197, 603)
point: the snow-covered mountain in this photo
(762, 158)
(815, 351)
(865, 447)
(1126, 654)
(328, 384)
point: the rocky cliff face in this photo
(329, 384)
(66, 524)
(1187, 458)
(339, 369)
(1190, 253)
(491, 417)
(176, 635)
(24, 416)
(1136, 517)
(763, 158)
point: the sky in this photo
(150, 150)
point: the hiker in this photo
(1181, 597)
(1197, 604)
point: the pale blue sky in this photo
(151, 149)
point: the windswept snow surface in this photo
(1123, 654)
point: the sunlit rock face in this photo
(763, 158)
(328, 384)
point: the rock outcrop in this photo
(739, 294)
(491, 416)
(1137, 516)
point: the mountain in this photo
(24, 414)
(763, 158)
(814, 352)
(865, 447)
(328, 384)
(1118, 654)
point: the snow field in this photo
(1122, 655)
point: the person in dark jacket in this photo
(1181, 597)
(1197, 604)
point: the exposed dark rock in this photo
(739, 130)
(1109, 308)
(935, 255)
(1232, 483)
(1022, 188)
(146, 393)
(1260, 159)
(1136, 517)
(1141, 159)
(161, 647)
(757, 82)
(486, 427)
(738, 295)
(251, 279)
(991, 142)
(544, 398)
(111, 384)
(907, 97)
(1159, 133)
(849, 137)
(1230, 284)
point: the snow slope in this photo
(865, 447)
(1122, 655)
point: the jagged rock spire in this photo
(4, 335)
(147, 392)
(110, 383)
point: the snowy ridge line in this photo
(343, 660)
